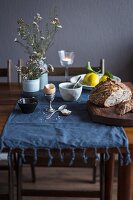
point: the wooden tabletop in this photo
(8, 98)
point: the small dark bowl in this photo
(27, 105)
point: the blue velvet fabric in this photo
(74, 131)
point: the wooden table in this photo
(8, 97)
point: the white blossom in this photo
(38, 16)
(59, 26)
(34, 23)
(42, 38)
(15, 40)
(34, 52)
(51, 67)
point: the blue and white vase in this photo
(31, 87)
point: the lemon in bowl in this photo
(84, 81)
(93, 79)
(103, 78)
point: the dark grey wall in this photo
(94, 29)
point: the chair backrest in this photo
(60, 71)
(6, 72)
(72, 71)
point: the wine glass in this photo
(66, 59)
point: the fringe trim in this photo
(35, 156)
(97, 157)
(23, 155)
(73, 157)
(127, 159)
(85, 156)
(120, 157)
(124, 160)
(107, 155)
(61, 155)
(10, 157)
(50, 157)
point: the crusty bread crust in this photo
(110, 93)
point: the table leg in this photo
(10, 176)
(109, 175)
(19, 177)
(102, 176)
(125, 182)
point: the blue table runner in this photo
(74, 131)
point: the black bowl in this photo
(28, 105)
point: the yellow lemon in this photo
(84, 81)
(103, 78)
(93, 80)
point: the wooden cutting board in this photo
(108, 115)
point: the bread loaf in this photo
(110, 93)
(124, 107)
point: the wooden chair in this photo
(6, 72)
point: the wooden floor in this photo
(59, 178)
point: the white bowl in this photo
(68, 93)
(88, 87)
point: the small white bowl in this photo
(68, 93)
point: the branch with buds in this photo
(36, 42)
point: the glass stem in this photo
(66, 73)
(50, 105)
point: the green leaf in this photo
(109, 74)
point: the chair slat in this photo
(3, 72)
(6, 72)
(60, 71)
(72, 71)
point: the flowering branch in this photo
(31, 36)
(35, 43)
